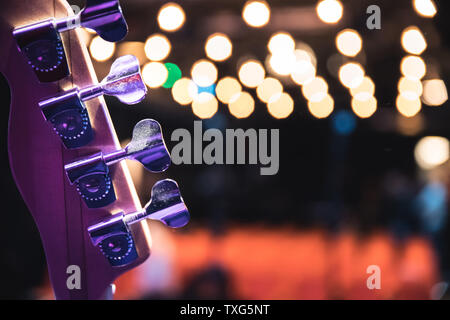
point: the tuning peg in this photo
(113, 236)
(68, 114)
(91, 174)
(42, 45)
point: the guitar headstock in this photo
(42, 162)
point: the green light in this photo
(174, 75)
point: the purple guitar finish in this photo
(37, 159)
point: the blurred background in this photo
(359, 93)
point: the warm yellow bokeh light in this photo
(303, 55)
(364, 108)
(281, 105)
(303, 51)
(323, 108)
(315, 90)
(303, 72)
(425, 8)
(268, 88)
(413, 67)
(205, 105)
(184, 91)
(282, 64)
(411, 89)
(330, 11)
(413, 40)
(157, 47)
(431, 152)
(408, 108)
(204, 73)
(218, 47)
(351, 74)
(135, 48)
(226, 88)
(365, 90)
(251, 73)
(101, 50)
(434, 92)
(256, 13)
(171, 17)
(349, 42)
(241, 105)
(281, 42)
(154, 74)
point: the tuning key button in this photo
(42, 45)
(113, 236)
(92, 177)
(68, 114)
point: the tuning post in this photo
(42, 45)
(113, 236)
(92, 177)
(68, 114)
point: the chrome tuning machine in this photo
(42, 45)
(113, 236)
(92, 176)
(68, 114)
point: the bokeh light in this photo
(136, 48)
(226, 88)
(364, 108)
(184, 91)
(281, 42)
(251, 73)
(154, 74)
(171, 17)
(410, 88)
(315, 90)
(218, 47)
(431, 152)
(413, 40)
(323, 108)
(256, 13)
(281, 105)
(157, 47)
(425, 8)
(241, 105)
(344, 122)
(269, 88)
(351, 74)
(413, 67)
(330, 11)
(365, 90)
(349, 42)
(173, 76)
(205, 105)
(101, 50)
(204, 73)
(408, 108)
(434, 92)
(303, 72)
(282, 64)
